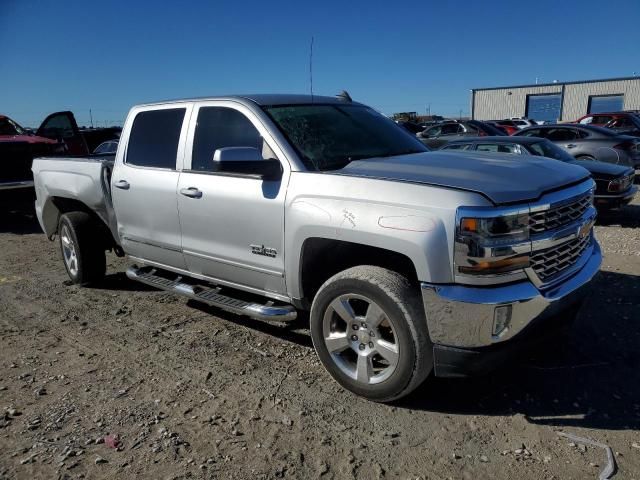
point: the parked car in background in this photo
(614, 183)
(602, 119)
(412, 127)
(17, 148)
(58, 134)
(588, 142)
(516, 123)
(507, 129)
(627, 125)
(439, 135)
(107, 148)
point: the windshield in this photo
(328, 137)
(9, 127)
(548, 149)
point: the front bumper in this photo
(615, 201)
(462, 316)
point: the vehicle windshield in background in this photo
(9, 127)
(328, 137)
(548, 149)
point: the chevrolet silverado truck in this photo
(409, 262)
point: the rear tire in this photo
(369, 330)
(82, 248)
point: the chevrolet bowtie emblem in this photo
(585, 228)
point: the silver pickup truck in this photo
(410, 262)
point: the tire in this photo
(390, 353)
(82, 248)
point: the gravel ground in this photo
(123, 380)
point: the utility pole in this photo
(460, 116)
(91, 117)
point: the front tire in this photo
(81, 245)
(369, 330)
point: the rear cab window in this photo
(153, 141)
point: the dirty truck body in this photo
(409, 262)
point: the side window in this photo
(456, 147)
(433, 131)
(586, 120)
(451, 129)
(561, 135)
(221, 127)
(534, 132)
(154, 137)
(499, 148)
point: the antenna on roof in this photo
(344, 95)
(311, 68)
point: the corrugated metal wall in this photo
(506, 102)
(576, 96)
(512, 102)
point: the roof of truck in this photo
(264, 99)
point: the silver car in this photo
(587, 142)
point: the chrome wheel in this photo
(69, 251)
(360, 338)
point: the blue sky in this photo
(395, 56)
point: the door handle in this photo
(191, 192)
(572, 145)
(123, 184)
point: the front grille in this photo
(552, 261)
(559, 216)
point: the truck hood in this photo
(498, 178)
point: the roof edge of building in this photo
(559, 84)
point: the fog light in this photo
(501, 319)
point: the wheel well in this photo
(66, 205)
(322, 258)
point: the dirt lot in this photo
(184, 391)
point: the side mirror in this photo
(246, 161)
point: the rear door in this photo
(144, 183)
(233, 228)
(62, 126)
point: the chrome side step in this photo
(212, 296)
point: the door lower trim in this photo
(275, 273)
(151, 244)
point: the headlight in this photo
(620, 184)
(495, 245)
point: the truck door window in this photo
(221, 127)
(154, 138)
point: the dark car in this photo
(625, 125)
(443, 133)
(587, 142)
(614, 183)
(106, 148)
(410, 126)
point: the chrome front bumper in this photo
(463, 316)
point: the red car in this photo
(601, 119)
(59, 133)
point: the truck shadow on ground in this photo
(591, 381)
(626, 217)
(17, 213)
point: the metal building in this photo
(558, 101)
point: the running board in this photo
(213, 297)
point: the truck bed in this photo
(85, 179)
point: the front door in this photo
(232, 224)
(144, 183)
